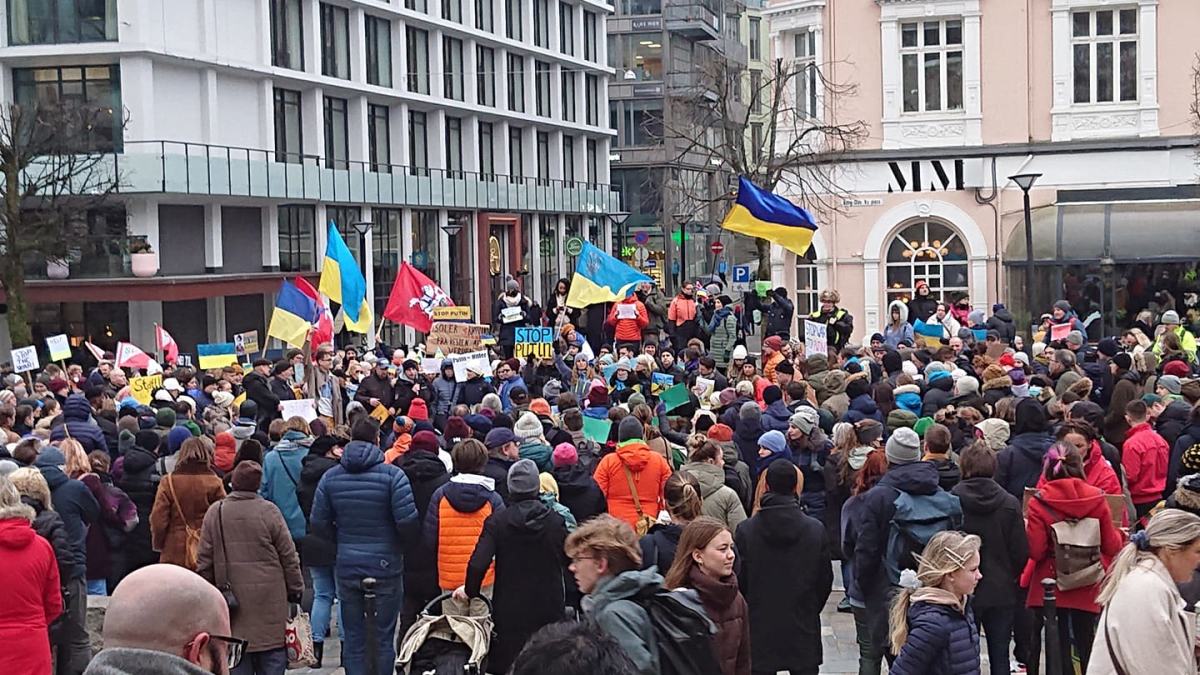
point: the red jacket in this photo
(1070, 498)
(629, 330)
(1099, 474)
(30, 598)
(1144, 456)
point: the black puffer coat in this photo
(139, 479)
(317, 550)
(995, 516)
(658, 546)
(426, 473)
(578, 491)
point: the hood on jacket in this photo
(782, 518)
(918, 478)
(710, 476)
(138, 460)
(532, 515)
(77, 409)
(622, 587)
(1178, 412)
(1003, 314)
(314, 467)
(980, 495)
(1031, 445)
(635, 455)
(420, 465)
(243, 429)
(863, 403)
(360, 456)
(573, 480)
(1071, 496)
(16, 534)
(903, 312)
(467, 493)
(1030, 418)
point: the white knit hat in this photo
(527, 426)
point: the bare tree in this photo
(761, 126)
(56, 162)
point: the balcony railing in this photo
(92, 256)
(211, 170)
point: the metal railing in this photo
(89, 256)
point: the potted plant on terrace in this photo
(143, 261)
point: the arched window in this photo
(928, 251)
(806, 282)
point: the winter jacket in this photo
(1020, 463)
(182, 500)
(525, 545)
(656, 307)
(374, 387)
(1162, 646)
(659, 544)
(719, 500)
(727, 608)
(318, 550)
(445, 391)
(32, 595)
(1144, 457)
(77, 423)
(537, 451)
(1176, 469)
(937, 396)
(508, 330)
(863, 407)
(505, 391)
(894, 334)
(948, 473)
(1003, 323)
(281, 480)
(426, 473)
(683, 320)
(942, 640)
(578, 491)
(722, 331)
(49, 526)
(650, 472)
(473, 390)
(78, 508)
(994, 515)
(106, 538)
(776, 417)
(629, 330)
(612, 604)
(1068, 498)
(453, 523)
(128, 661)
(245, 541)
(779, 313)
(839, 325)
(139, 479)
(745, 438)
(786, 578)
(258, 389)
(368, 505)
(917, 307)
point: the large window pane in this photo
(487, 151)
(569, 100)
(516, 83)
(512, 19)
(297, 238)
(288, 129)
(337, 143)
(912, 91)
(418, 153)
(379, 138)
(379, 51)
(1129, 76)
(92, 95)
(452, 64)
(62, 21)
(483, 15)
(386, 233)
(1104, 71)
(1083, 73)
(516, 164)
(541, 23)
(452, 10)
(541, 78)
(933, 82)
(485, 76)
(566, 28)
(335, 41)
(287, 34)
(418, 60)
(954, 75)
(454, 153)
(426, 244)
(641, 53)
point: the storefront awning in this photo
(1126, 232)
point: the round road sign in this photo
(641, 238)
(574, 246)
(717, 248)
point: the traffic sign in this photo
(641, 238)
(717, 248)
(741, 278)
(574, 246)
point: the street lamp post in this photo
(362, 227)
(618, 219)
(683, 219)
(1025, 181)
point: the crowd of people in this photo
(947, 476)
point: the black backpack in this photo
(683, 636)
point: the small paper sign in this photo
(452, 313)
(626, 310)
(431, 366)
(141, 388)
(380, 413)
(703, 389)
(474, 361)
(25, 359)
(305, 408)
(815, 339)
(1059, 331)
(59, 346)
(246, 343)
(596, 429)
(762, 287)
(660, 381)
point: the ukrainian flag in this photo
(342, 282)
(216, 355)
(599, 277)
(758, 213)
(293, 316)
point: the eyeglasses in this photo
(576, 560)
(234, 649)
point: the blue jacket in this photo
(367, 506)
(775, 417)
(74, 502)
(863, 407)
(941, 641)
(77, 418)
(506, 388)
(281, 478)
(878, 508)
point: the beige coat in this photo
(1149, 630)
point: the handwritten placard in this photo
(454, 338)
(816, 339)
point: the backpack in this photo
(683, 637)
(1077, 561)
(916, 519)
(1190, 459)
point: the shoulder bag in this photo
(644, 522)
(221, 572)
(191, 545)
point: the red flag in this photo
(95, 351)
(323, 325)
(130, 356)
(165, 344)
(413, 298)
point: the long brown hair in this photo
(695, 537)
(682, 495)
(872, 470)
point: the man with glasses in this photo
(167, 620)
(326, 388)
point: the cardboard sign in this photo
(475, 361)
(380, 413)
(815, 339)
(674, 397)
(596, 429)
(431, 366)
(246, 343)
(454, 338)
(59, 346)
(25, 359)
(511, 314)
(452, 313)
(305, 408)
(703, 389)
(142, 388)
(537, 342)
(1059, 331)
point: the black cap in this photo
(262, 362)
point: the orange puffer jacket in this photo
(650, 472)
(453, 523)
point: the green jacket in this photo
(723, 332)
(719, 500)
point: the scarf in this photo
(939, 596)
(858, 457)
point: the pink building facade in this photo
(958, 95)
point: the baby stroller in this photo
(452, 641)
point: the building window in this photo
(541, 23)
(807, 290)
(805, 69)
(1104, 44)
(452, 67)
(639, 53)
(485, 75)
(426, 243)
(452, 10)
(454, 153)
(463, 246)
(756, 142)
(638, 7)
(483, 15)
(926, 251)
(417, 5)
(590, 36)
(515, 155)
(92, 93)
(755, 39)
(512, 19)
(569, 160)
(591, 99)
(566, 28)
(543, 157)
(418, 152)
(593, 168)
(287, 34)
(516, 83)
(757, 93)
(289, 137)
(568, 95)
(386, 247)
(541, 77)
(337, 142)
(639, 122)
(335, 41)
(40, 22)
(931, 61)
(379, 51)
(487, 151)
(418, 60)
(379, 137)
(297, 238)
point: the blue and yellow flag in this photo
(293, 316)
(599, 277)
(216, 355)
(342, 282)
(758, 213)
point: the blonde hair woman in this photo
(77, 460)
(933, 631)
(1144, 628)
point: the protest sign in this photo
(431, 366)
(474, 361)
(142, 388)
(454, 338)
(452, 313)
(596, 429)
(215, 355)
(25, 359)
(660, 381)
(1059, 331)
(305, 408)
(815, 339)
(246, 343)
(537, 342)
(626, 310)
(674, 397)
(59, 346)
(380, 413)
(703, 389)
(511, 314)
(980, 334)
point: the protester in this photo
(31, 597)
(1144, 457)
(720, 502)
(456, 514)
(281, 474)
(572, 648)
(183, 498)
(683, 505)
(632, 477)
(317, 552)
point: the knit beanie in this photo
(148, 441)
(425, 440)
(782, 477)
(966, 385)
(527, 426)
(774, 441)
(805, 420)
(720, 433)
(175, 438)
(456, 429)
(903, 447)
(418, 411)
(523, 479)
(922, 425)
(247, 476)
(1171, 383)
(165, 417)
(772, 394)
(125, 441)
(750, 411)
(540, 406)
(1177, 368)
(900, 417)
(629, 429)
(565, 454)
(478, 423)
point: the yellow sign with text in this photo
(141, 388)
(452, 313)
